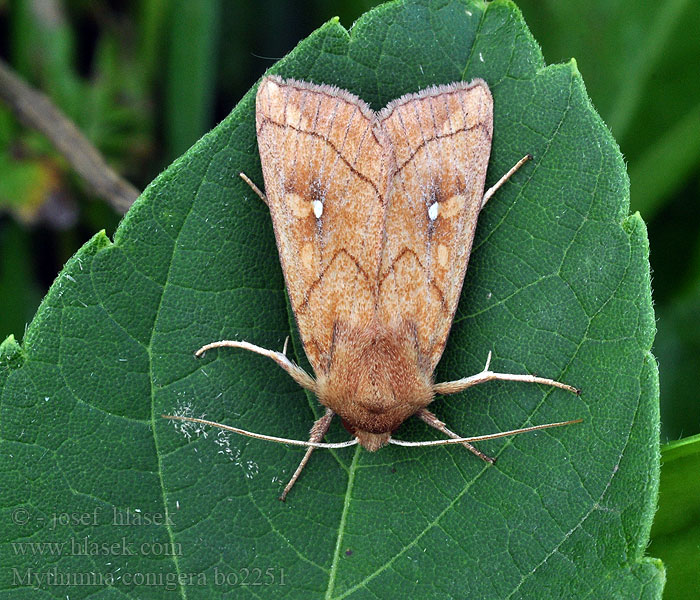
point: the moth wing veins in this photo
(441, 138)
(325, 169)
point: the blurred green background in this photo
(144, 80)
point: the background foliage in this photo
(146, 81)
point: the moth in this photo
(374, 216)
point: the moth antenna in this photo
(267, 438)
(295, 371)
(494, 188)
(254, 187)
(459, 385)
(284, 348)
(480, 438)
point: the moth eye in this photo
(433, 211)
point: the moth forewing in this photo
(441, 138)
(322, 154)
(374, 216)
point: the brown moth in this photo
(374, 215)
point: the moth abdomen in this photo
(374, 382)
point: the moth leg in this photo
(425, 415)
(254, 187)
(295, 371)
(319, 429)
(493, 189)
(459, 385)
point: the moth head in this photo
(374, 382)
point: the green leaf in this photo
(676, 531)
(558, 285)
(634, 56)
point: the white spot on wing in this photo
(318, 208)
(433, 211)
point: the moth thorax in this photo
(374, 382)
